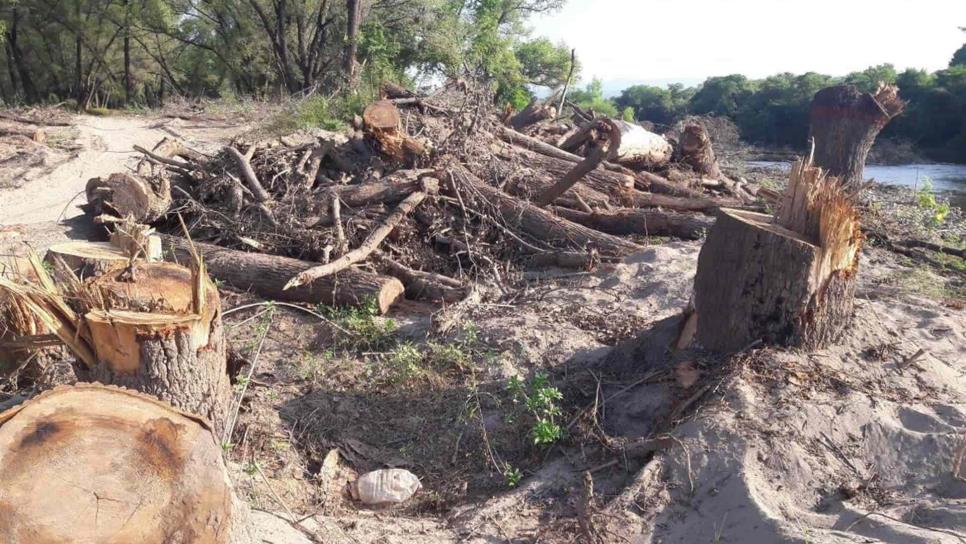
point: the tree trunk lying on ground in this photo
(641, 148)
(36, 134)
(535, 112)
(125, 195)
(426, 285)
(266, 275)
(637, 221)
(93, 463)
(787, 280)
(541, 224)
(844, 123)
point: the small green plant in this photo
(928, 201)
(405, 362)
(367, 330)
(512, 476)
(542, 403)
(252, 467)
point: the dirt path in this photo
(107, 147)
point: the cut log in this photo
(422, 285)
(535, 112)
(123, 195)
(647, 222)
(306, 277)
(86, 259)
(844, 123)
(160, 332)
(787, 280)
(93, 463)
(266, 275)
(37, 135)
(541, 224)
(383, 123)
(695, 150)
(640, 148)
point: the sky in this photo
(624, 42)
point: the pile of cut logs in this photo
(424, 195)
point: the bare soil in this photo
(861, 442)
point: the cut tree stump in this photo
(155, 335)
(695, 150)
(844, 123)
(100, 464)
(87, 259)
(786, 280)
(266, 275)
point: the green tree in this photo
(592, 98)
(722, 95)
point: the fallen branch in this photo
(426, 285)
(360, 254)
(261, 195)
(593, 159)
(266, 275)
(647, 222)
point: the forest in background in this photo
(135, 53)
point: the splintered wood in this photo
(787, 279)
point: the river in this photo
(948, 179)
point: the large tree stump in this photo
(160, 332)
(787, 280)
(695, 149)
(844, 123)
(98, 464)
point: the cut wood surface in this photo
(640, 148)
(95, 464)
(786, 280)
(125, 195)
(371, 242)
(266, 275)
(639, 221)
(155, 337)
(87, 259)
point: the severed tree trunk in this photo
(535, 112)
(95, 463)
(160, 332)
(267, 275)
(647, 222)
(786, 280)
(695, 150)
(123, 195)
(844, 123)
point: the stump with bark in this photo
(94, 463)
(786, 280)
(128, 196)
(844, 123)
(695, 150)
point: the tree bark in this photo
(535, 112)
(124, 195)
(266, 275)
(844, 123)
(541, 224)
(758, 281)
(647, 222)
(696, 151)
(161, 335)
(353, 22)
(590, 163)
(117, 466)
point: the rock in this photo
(386, 486)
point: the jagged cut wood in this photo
(152, 335)
(93, 463)
(86, 259)
(786, 280)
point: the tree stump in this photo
(160, 332)
(844, 123)
(786, 280)
(99, 464)
(123, 195)
(695, 149)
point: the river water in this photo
(948, 179)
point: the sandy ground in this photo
(106, 144)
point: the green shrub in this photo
(928, 201)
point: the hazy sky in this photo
(626, 41)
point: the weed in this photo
(404, 363)
(367, 330)
(542, 402)
(927, 200)
(512, 476)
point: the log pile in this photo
(321, 217)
